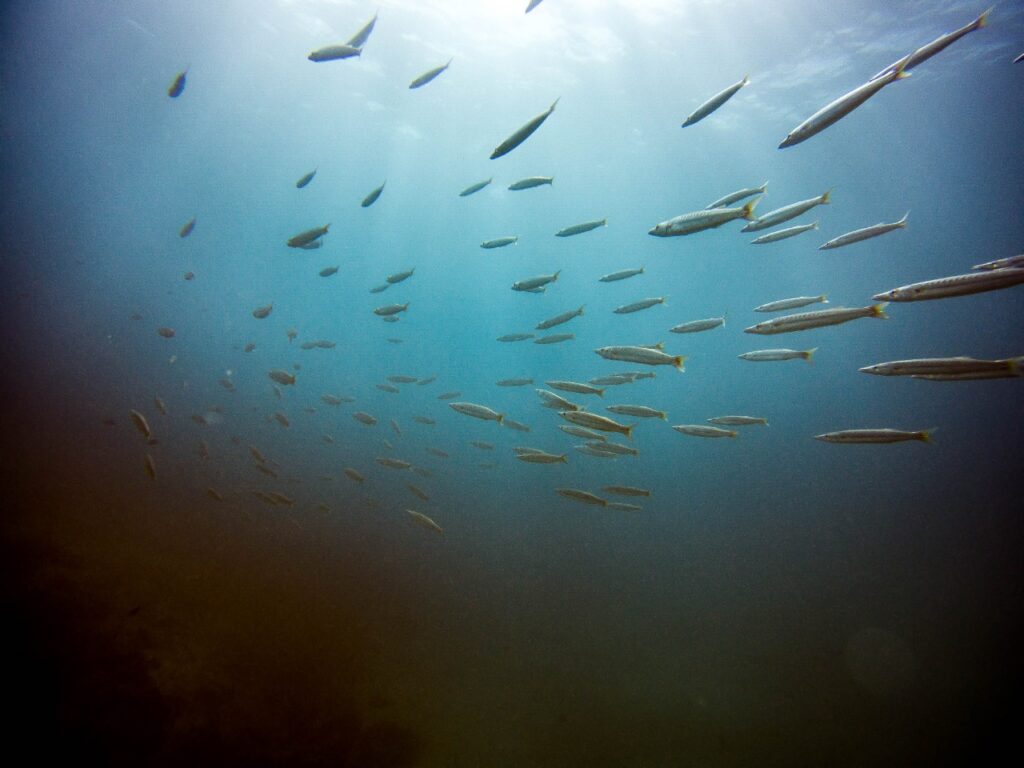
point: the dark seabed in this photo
(779, 601)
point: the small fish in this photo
(328, 271)
(738, 421)
(956, 285)
(261, 312)
(735, 197)
(523, 133)
(227, 383)
(249, 347)
(474, 188)
(281, 377)
(643, 355)
(477, 411)
(531, 283)
(787, 212)
(291, 333)
(150, 467)
(514, 382)
(428, 380)
(807, 320)
(516, 337)
(556, 402)
(385, 461)
(425, 521)
(541, 457)
(141, 424)
(696, 326)
(945, 366)
(331, 399)
(353, 474)
(400, 379)
(448, 395)
(160, 406)
(596, 421)
(167, 333)
(622, 507)
(579, 229)
(417, 492)
(554, 338)
(772, 355)
(594, 449)
(282, 419)
(500, 242)
(875, 436)
(437, 452)
(429, 75)
(364, 418)
(186, 230)
(530, 182)
(327, 439)
(371, 198)
(614, 380)
(334, 53)
(586, 434)
(577, 387)
(700, 430)
(520, 449)
(626, 490)
(424, 420)
(518, 426)
(391, 309)
(616, 448)
(622, 274)
(1010, 261)
(636, 306)
(399, 276)
(307, 237)
(177, 85)
(698, 221)
(714, 102)
(858, 235)
(925, 52)
(783, 234)
(637, 411)
(1019, 59)
(189, 275)
(395, 428)
(482, 445)
(794, 303)
(380, 288)
(306, 179)
(584, 496)
(358, 40)
(388, 388)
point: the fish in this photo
(925, 52)
(328, 271)
(955, 285)
(805, 321)
(616, 379)
(614, 448)
(425, 521)
(637, 411)
(305, 179)
(249, 347)
(554, 338)
(643, 355)
(556, 402)
(472, 189)
(530, 182)
(559, 319)
(388, 388)
(771, 355)
(189, 275)
(696, 326)
(313, 245)
(150, 467)
(500, 242)
(636, 306)
(429, 75)
(579, 229)
(626, 490)
(535, 282)
(584, 496)
(1010, 261)
(787, 212)
(714, 102)
(282, 419)
(214, 494)
(698, 221)
(364, 418)
(371, 198)
(596, 421)
(304, 238)
(281, 377)
(428, 380)
(865, 233)
(622, 274)
(482, 445)
(518, 426)
(971, 375)
(399, 276)
(390, 309)
(794, 303)
(437, 452)
(624, 507)
(735, 197)
(187, 228)
(514, 382)
(385, 461)
(331, 399)
(700, 430)
(1017, 60)
(523, 133)
(595, 450)
(477, 411)
(380, 288)
(738, 421)
(358, 40)
(334, 53)
(946, 366)
(577, 387)
(417, 492)
(875, 436)
(424, 420)
(167, 333)
(533, 4)
(160, 406)
(448, 395)
(353, 474)
(516, 337)
(177, 85)
(520, 449)
(540, 457)
(395, 428)
(783, 234)
(141, 424)
(586, 434)
(261, 312)
(844, 105)
(401, 379)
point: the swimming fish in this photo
(578, 431)
(474, 188)
(388, 388)
(353, 474)
(584, 496)
(514, 382)
(424, 420)
(281, 377)
(955, 285)
(391, 309)
(358, 40)
(522, 134)
(535, 282)
(714, 102)
(925, 52)
(364, 418)
(622, 274)
(418, 492)
(482, 445)
(783, 234)
(530, 182)
(178, 84)
(141, 424)
(380, 288)
(735, 197)
(306, 179)
(400, 276)
(395, 428)
(794, 303)
(807, 320)
(772, 355)
(577, 387)
(556, 402)
(477, 411)
(448, 395)
(700, 430)
(595, 449)
(786, 212)
(636, 306)
(624, 507)
(437, 452)
(401, 379)
(865, 233)
(249, 347)
(261, 312)
(282, 419)
(304, 238)
(334, 53)
(1009, 261)
(425, 521)
(738, 421)
(874, 436)
(150, 467)
(427, 380)
(385, 461)
(596, 421)
(579, 229)
(696, 326)
(559, 319)
(945, 366)
(167, 333)
(698, 221)
(186, 230)
(638, 411)
(429, 75)
(328, 271)
(516, 337)
(371, 198)
(500, 242)
(540, 457)
(641, 354)
(554, 338)
(518, 426)
(627, 490)
(160, 406)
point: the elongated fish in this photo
(328, 271)
(386, 461)
(565, 317)
(516, 337)
(334, 53)
(514, 382)
(735, 197)
(596, 421)
(554, 338)
(532, 283)
(945, 366)
(794, 303)
(626, 490)
(306, 179)
(773, 355)
(636, 306)
(786, 212)
(141, 424)
(391, 309)
(516, 425)
(556, 402)
(874, 436)
(177, 85)
(615, 448)
(696, 326)
(714, 102)
(783, 234)
(477, 411)
(187, 228)
(586, 434)
(1010, 261)
(1019, 59)
(622, 274)
(281, 377)
(738, 421)
(150, 467)
(474, 188)
(429, 75)
(643, 355)
(955, 285)
(805, 321)
(304, 238)
(371, 198)
(702, 430)
(364, 418)
(540, 457)
(698, 221)
(576, 387)
(844, 105)
(584, 496)
(358, 40)
(865, 233)
(522, 134)
(925, 52)
(579, 229)
(595, 449)
(420, 519)
(262, 312)
(400, 276)
(637, 411)
(500, 242)
(530, 182)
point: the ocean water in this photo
(778, 600)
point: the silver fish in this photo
(364, 418)
(523, 133)
(304, 238)
(579, 229)
(637, 411)
(535, 282)
(783, 234)
(643, 355)
(627, 490)
(530, 182)
(955, 285)
(391, 309)
(577, 387)
(696, 326)
(583, 496)
(306, 179)
(698, 221)
(794, 303)
(786, 212)
(874, 436)
(400, 276)
(807, 320)
(700, 430)
(865, 233)
(516, 337)
(556, 402)
(554, 338)
(735, 197)
(477, 411)
(540, 457)
(358, 40)
(334, 53)
(772, 355)
(946, 366)
(586, 434)
(559, 319)
(420, 519)
(474, 188)
(1010, 261)
(281, 377)
(596, 421)
(636, 306)
(714, 102)
(738, 421)
(925, 52)
(371, 198)
(500, 242)
(429, 75)
(622, 274)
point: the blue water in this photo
(778, 601)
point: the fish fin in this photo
(925, 435)
(903, 222)
(745, 80)
(982, 20)
(679, 361)
(878, 310)
(501, 418)
(604, 222)
(1013, 365)
(809, 354)
(563, 458)
(815, 225)
(733, 433)
(664, 416)
(641, 270)
(825, 198)
(552, 107)
(824, 298)
(763, 187)
(629, 431)
(557, 273)
(748, 209)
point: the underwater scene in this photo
(513, 383)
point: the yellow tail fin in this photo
(878, 310)
(679, 361)
(809, 353)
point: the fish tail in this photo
(552, 107)
(641, 270)
(679, 361)
(600, 392)
(746, 79)
(824, 298)
(809, 354)
(925, 435)
(663, 416)
(501, 418)
(764, 187)
(814, 226)
(1013, 365)
(878, 310)
(628, 432)
(826, 198)
(562, 458)
(982, 21)
(733, 433)
(748, 209)
(555, 276)
(903, 222)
